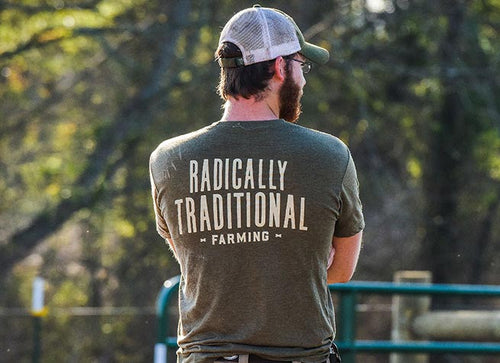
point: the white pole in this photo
(160, 353)
(37, 305)
(37, 311)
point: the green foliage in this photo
(89, 88)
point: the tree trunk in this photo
(129, 124)
(440, 249)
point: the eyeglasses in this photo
(306, 66)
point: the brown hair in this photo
(244, 81)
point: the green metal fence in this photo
(346, 335)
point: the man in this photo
(260, 213)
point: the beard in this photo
(289, 99)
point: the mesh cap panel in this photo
(261, 34)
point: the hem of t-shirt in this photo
(208, 354)
(353, 232)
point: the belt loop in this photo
(243, 358)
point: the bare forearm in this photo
(346, 252)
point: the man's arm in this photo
(346, 252)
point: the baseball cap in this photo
(264, 34)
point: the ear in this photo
(279, 68)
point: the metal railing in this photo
(346, 334)
(163, 341)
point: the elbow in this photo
(344, 279)
(339, 278)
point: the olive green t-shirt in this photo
(252, 208)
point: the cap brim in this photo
(314, 53)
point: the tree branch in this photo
(130, 122)
(34, 9)
(56, 34)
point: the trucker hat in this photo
(264, 34)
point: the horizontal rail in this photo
(468, 325)
(381, 346)
(376, 287)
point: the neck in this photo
(243, 109)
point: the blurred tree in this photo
(89, 88)
(454, 248)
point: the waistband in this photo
(251, 358)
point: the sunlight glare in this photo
(377, 6)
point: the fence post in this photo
(404, 310)
(347, 331)
(166, 293)
(38, 310)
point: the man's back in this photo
(251, 209)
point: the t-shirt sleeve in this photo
(351, 220)
(161, 224)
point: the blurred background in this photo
(89, 88)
